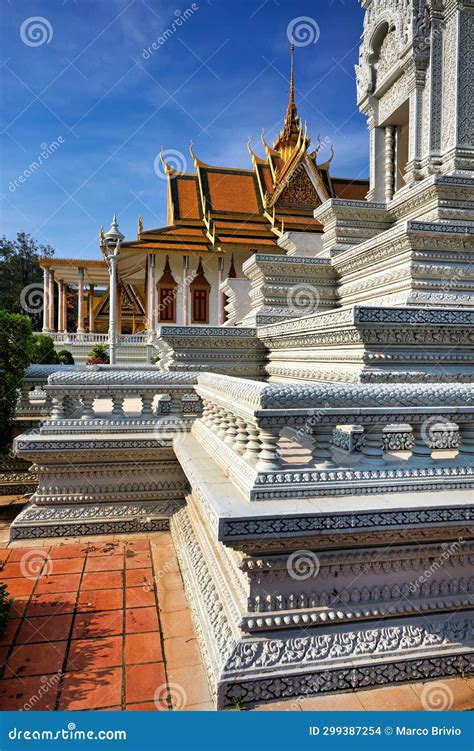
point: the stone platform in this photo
(312, 596)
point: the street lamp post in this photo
(113, 241)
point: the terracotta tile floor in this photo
(103, 623)
(86, 630)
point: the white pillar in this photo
(389, 162)
(64, 313)
(377, 167)
(153, 294)
(80, 301)
(220, 295)
(61, 321)
(149, 298)
(51, 300)
(185, 290)
(91, 309)
(113, 258)
(416, 125)
(45, 300)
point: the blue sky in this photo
(81, 82)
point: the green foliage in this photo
(65, 357)
(98, 355)
(5, 604)
(43, 350)
(155, 359)
(15, 355)
(20, 270)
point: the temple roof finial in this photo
(292, 73)
(291, 126)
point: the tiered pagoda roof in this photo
(215, 209)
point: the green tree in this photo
(42, 350)
(21, 278)
(15, 355)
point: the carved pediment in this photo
(299, 191)
(131, 304)
(130, 301)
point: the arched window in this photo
(200, 289)
(167, 291)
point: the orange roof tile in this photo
(185, 196)
(232, 191)
(350, 189)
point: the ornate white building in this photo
(316, 470)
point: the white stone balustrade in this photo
(104, 457)
(117, 399)
(243, 422)
(34, 401)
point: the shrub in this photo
(65, 357)
(98, 355)
(43, 350)
(15, 355)
(155, 359)
(5, 604)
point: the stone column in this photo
(153, 294)
(435, 89)
(51, 301)
(91, 309)
(377, 167)
(149, 298)
(64, 307)
(415, 133)
(113, 257)
(45, 300)
(119, 310)
(389, 162)
(80, 301)
(220, 295)
(61, 320)
(185, 290)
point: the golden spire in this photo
(292, 73)
(291, 130)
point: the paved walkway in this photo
(103, 623)
(99, 625)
